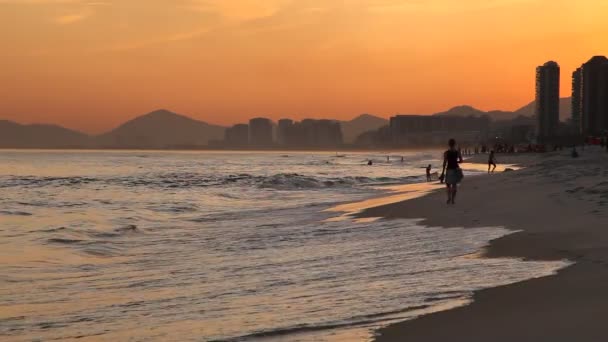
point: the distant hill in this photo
(14, 135)
(361, 124)
(498, 115)
(161, 129)
(462, 111)
(165, 129)
(565, 109)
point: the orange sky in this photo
(91, 64)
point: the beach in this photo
(306, 247)
(191, 246)
(557, 207)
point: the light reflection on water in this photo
(202, 246)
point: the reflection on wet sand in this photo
(399, 193)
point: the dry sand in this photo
(560, 204)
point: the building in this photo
(547, 101)
(260, 132)
(284, 127)
(577, 98)
(521, 134)
(420, 130)
(312, 133)
(327, 133)
(593, 105)
(237, 135)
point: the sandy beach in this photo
(557, 206)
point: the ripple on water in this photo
(220, 246)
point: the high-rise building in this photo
(594, 96)
(260, 132)
(547, 100)
(577, 99)
(237, 135)
(283, 131)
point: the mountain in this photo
(496, 115)
(161, 129)
(362, 123)
(461, 111)
(14, 135)
(565, 109)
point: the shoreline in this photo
(555, 205)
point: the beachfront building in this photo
(423, 130)
(237, 135)
(547, 101)
(590, 83)
(260, 132)
(283, 130)
(577, 98)
(312, 133)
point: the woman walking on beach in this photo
(451, 170)
(491, 161)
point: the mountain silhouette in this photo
(14, 135)
(496, 115)
(565, 110)
(362, 123)
(165, 129)
(161, 129)
(462, 111)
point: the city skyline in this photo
(92, 65)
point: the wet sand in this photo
(559, 208)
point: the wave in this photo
(279, 181)
(127, 229)
(306, 328)
(64, 241)
(99, 243)
(14, 213)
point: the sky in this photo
(93, 64)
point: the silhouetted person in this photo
(574, 152)
(491, 162)
(451, 170)
(428, 173)
(402, 160)
(370, 163)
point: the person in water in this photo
(451, 170)
(491, 161)
(428, 173)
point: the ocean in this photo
(224, 246)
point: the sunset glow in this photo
(92, 64)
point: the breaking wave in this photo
(280, 181)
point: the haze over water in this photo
(222, 246)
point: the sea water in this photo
(223, 246)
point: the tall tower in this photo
(547, 100)
(594, 96)
(577, 99)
